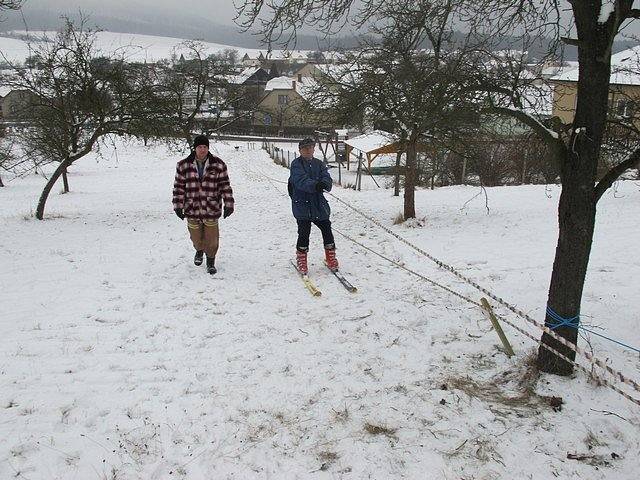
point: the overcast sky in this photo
(181, 18)
(222, 11)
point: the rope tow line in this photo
(500, 317)
(593, 360)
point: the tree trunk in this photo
(577, 207)
(65, 181)
(576, 213)
(410, 181)
(47, 188)
(396, 180)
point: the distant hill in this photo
(139, 47)
(188, 26)
(153, 23)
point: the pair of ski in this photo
(308, 283)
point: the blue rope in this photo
(574, 322)
(611, 339)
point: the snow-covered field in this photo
(138, 47)
(122, 360)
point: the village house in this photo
(624, 90)
(13, 103)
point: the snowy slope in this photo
(138, 47)
(122, 360)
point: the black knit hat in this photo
(307, 142)
(200, 140)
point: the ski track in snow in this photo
(122, 360)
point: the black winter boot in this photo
(197, 260)
(211, 267)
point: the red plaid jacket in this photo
(202, 200)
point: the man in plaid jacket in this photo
(200, 189)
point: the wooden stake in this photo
(488, 312)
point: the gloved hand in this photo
(227, 211)
(319, 187)
(179, 213)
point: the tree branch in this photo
(570, 41)
(548, 136)
(613, 174)
(10, 4)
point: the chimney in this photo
(293, 85)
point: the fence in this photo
(284, 157)
(279, 155)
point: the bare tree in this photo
(578, 150)
(188, 81)
(6, 157)
(11, 4)
(577, 147)
(75, 98)
(421, 95)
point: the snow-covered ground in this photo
(138, 47)
(122, 360)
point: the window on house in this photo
(625, 108)
(283, 99)
(621, 107)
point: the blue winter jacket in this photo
(306, 202)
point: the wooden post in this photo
(488, 312)
(464, 171)
(434, 168)
(371, 175)
(396, 179)
(359, 173)
(323, 150)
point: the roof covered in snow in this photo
(304, 88)
(372, 141)
(298, 55)
(243, 76)
(625, 69)
(279, 83)
(556, 70)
